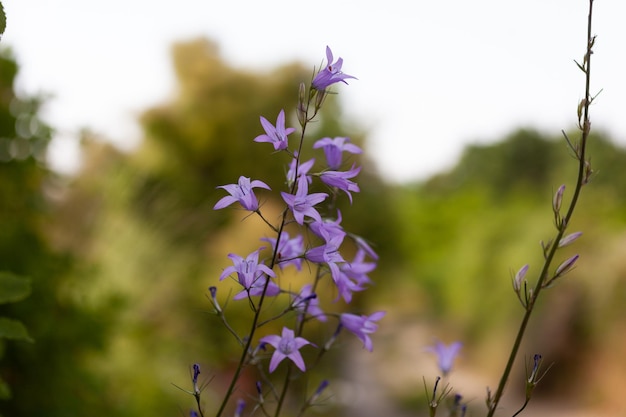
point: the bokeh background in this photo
(121, 248)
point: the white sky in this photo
(433, 74)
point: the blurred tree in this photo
(47, 375)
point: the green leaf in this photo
(13, 329)
(13, 288)
(3, 20)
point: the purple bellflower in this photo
(334, 148)
(287, 346)
(276, 135)
(362, 326)
(330, 74)
(302, 204)
(328, 229)
(340, 179)
(251, 275)
(242, 193)
(290, 251)
(303, 170)
(307, 303)
(445, 355)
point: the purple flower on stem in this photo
(328, 229)
(328, 253)
(242, 193)
(362, 326)
(330, 74)
(290, 251)
(569, 239)
(340, 179)
(334, 148)
(566, 266)
(445, 355)
(248, 270)
(303, 170)
(307, 303)
(302, 204)
(287, 346)
(194, 379)
(276, 135)
(519, 278)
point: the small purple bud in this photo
(241, 404)
(566, 266)
(258, 387)
(216, 305)
(519, 278)
(323, 385)
(193, 413)
(558, 199)
(194, 379)
(569, 239)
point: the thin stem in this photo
(581, 180)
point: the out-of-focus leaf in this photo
(13, 329)
(3, 20)
(13, 288)
(5, 391)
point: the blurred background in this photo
(115, 226)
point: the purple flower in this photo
(241, 192)
(334, 148)
(328, 229)
(330, 74)
(290, 251)
(276, 135)
(307, 303)
(566, 266)
(303, 170)
(302, 203)
(287, 346)
(248, 270)
(340, 179)
(445, 355)
(362, 326)
(328, 254)
(257, 288)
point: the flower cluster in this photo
(315, 237)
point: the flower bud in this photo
(558, 199)
(302, 105)
(567, 240)
(519, 278)
(566, 266)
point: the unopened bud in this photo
(566, 266)
(558, 199)
(302, 105)
(569, 239)
(519, 278)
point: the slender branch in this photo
(583, 173)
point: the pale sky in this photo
(433, 75)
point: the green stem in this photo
(581, 180)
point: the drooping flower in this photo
(328, 253)
(276, 135)
(334, 148)
(445, 355)
(287, 346)
(302, 203)
(341, 180)
(328, 229)
(290, 251)
(242, 193)
(331, 73)
(362, 326)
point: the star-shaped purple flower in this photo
(287, 346)
(307, 303)
(302, 204)
(290, 251)
(242, 193)
(445, 355)
(276, 135)
(362, 326)
(330, 74)
(248, 270)
(334, 148)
